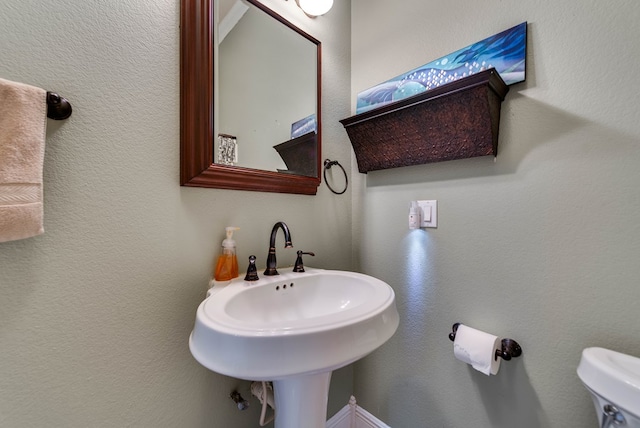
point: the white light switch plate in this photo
(429, 213)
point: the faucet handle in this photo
(252, 270)
(299, 267)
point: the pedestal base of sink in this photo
(301, 401)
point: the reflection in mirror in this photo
(260, 60)
(272, 149)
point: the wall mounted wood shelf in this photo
(454, 121)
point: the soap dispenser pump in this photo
(227, 266)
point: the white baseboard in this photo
(354, 416)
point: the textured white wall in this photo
(95, 314)
(542, 246)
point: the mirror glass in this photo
(266, 88)
(265, 103)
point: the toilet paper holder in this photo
(510, 348)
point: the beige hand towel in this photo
(23, 121)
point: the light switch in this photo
(426, 214)
(429, 213)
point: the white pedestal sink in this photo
(294, 329)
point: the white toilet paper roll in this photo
(477, 348)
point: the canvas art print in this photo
(304, 126)
(505, 51)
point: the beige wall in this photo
(95, 314)
(541, 246)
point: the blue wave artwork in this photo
(304, 126)
(505, 51)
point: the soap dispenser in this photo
(227, 266)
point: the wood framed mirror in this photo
(197, 103)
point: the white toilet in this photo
(614, 382)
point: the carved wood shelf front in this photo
(454, 121)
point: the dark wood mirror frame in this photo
(196, 111)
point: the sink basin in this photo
(292, 324)
(613, 376)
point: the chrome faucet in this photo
(271, 258)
